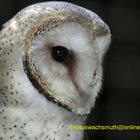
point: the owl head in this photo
(63, 47)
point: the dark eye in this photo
(60, 54)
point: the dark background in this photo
(119, 99)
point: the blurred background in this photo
(119, 100)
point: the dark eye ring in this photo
(60, 54)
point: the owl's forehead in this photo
(71, 35)
(50, 14)
(61, 29)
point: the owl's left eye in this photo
(60, 54)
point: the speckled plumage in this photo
(36, 91)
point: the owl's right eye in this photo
(60, 54)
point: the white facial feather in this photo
(42, 93)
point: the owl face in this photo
(62, 58)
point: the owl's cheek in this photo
(65, 93)
(61, 89)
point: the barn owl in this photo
(50, 71)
